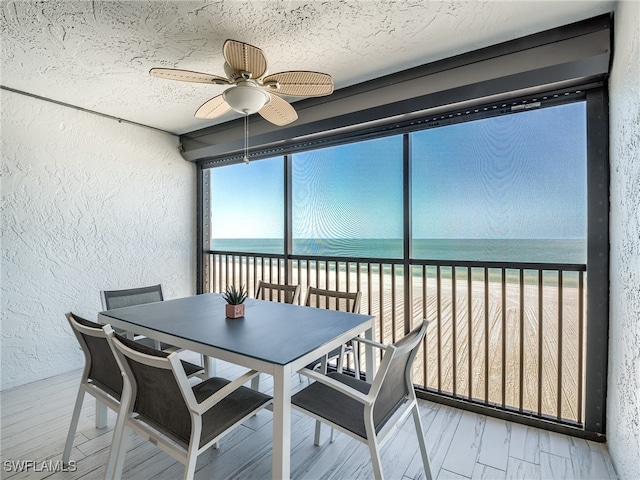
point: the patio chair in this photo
(135, 296)
(335, 300)
(277, 292)
(369, 412)
(159, 403)
(101, 376)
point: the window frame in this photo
(597, 263)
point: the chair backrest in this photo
(393, 380)
(277, 292)
(100, 364)
(159, 389)
(333, 300)
(129, 297)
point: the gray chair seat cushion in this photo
(228, 411)
(334, 406)
(220, 417)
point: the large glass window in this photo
(347, 200)
(247, 207)
(507, 188)
(496, 210)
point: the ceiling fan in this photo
(251, 91)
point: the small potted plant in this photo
(235, 301)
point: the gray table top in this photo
(278, 333)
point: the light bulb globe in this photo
(246, 98)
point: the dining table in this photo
(274, 338)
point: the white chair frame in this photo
(355, 308)
(282, 291)
(128, 419)
(373, 440)
(153, 288)
(266, 290)
(103, 399)
(206, 364)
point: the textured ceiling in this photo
(96, 55)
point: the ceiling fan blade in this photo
(278, 111)
(188, 76)
(243, 57)
(213, 108)
(300, 84)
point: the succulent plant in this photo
(235, 296)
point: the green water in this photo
(487, 250)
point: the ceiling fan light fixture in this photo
(251, 91)
(246, 98)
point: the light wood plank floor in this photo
(461, 445)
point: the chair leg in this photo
(73, 427)
(190, 466)
(316, 437)
(118, 451)
(115, 461)
(421, 442)
(356, 358)
(323, 365)
(340, 360)
(376, 463)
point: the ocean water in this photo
(512, 250)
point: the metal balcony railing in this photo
(504, 336)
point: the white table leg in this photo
(369, 352)
(101, 414)
(281, 461)
(209, 364)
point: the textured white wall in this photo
(623, 400)
(88, 203)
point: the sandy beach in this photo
(469, 346)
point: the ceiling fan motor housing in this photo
(246, 97)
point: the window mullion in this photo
(288, 217)
(407, 232)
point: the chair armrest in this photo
(224, 392)
(339, 386)
(370, 342)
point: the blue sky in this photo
(357, 198)
(247, 200)
(514, 176)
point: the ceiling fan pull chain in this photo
(246, 139)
